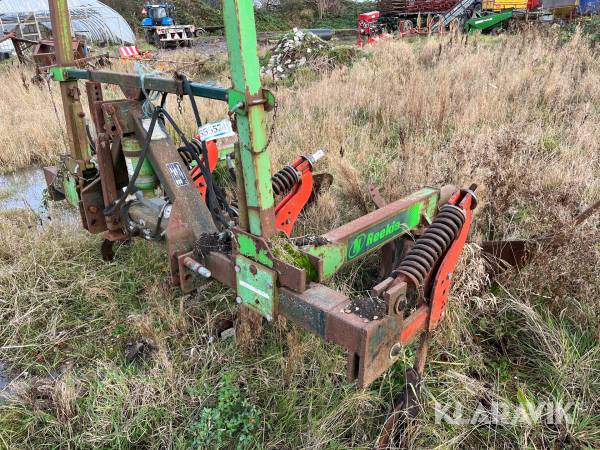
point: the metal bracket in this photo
(256, 286)
(239, 101)
(59, 74)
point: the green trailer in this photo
(488, 22)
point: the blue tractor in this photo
(161, 30)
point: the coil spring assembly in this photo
(432, 245)
(187, 155)
(285, 180)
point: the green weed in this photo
(233, 422)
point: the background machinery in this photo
(489, 22)
(412, 16)
(133, 180)
(160, 28)
(422, 17)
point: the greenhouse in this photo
(91, 19)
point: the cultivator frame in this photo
(421, 236)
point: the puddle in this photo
(4, 381)
(23, 190)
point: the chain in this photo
(180, 104)
(272, 129)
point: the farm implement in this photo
(132, 179)
(42, 53)
(160, 28)
(425, 17)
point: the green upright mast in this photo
(249, 101)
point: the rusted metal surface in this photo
(44, 53)
(93, 206)
(95, 96)
(376, 196)
(186, 277)
(180, 240)
(290, 276)
(310, 308)
(116, 117)
(50, 175)
(108, 179)
(326, 313)
(89, 61)
(221, 267)
(503, 254)
(175, 180)
(405, 407)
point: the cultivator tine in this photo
(503, 255)
(406, 406)
(585, 215)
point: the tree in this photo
(325, 7)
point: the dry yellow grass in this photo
(29, 132)
(31, 128)
(518, 115)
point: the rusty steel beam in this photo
(370, 343)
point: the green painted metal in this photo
(147, 180)
(59, 74)
(70, 188)
(240, 31)
(61, 30)
(247, 247)
(431, 209)
(256, 286)
(364, 242)
(488, 22)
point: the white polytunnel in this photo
(90, 19)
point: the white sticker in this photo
(158, 133)
(216, 130)
(178, 175)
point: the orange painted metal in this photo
(414, 325)
(288, 210)
(196, 172)
(443, 279)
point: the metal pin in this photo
(196, 267)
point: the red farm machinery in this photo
(414, 17)
(423, 17)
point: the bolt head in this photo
(269, 318)
(238, 300)
(238, 269)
